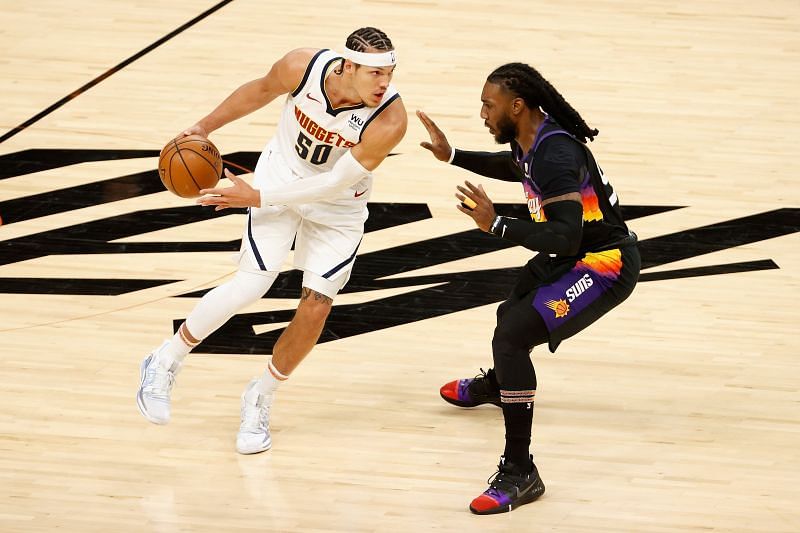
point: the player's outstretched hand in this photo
(438, 146)
(240, 195)
(477, 204)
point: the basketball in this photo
(188, 164)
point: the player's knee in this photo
(314, 313)
(249, 287)
(502, 308)
(315, 306)
(508, 337)
(519, 332)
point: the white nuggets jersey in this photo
(310, 138)
(312, 135)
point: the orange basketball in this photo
(188, 164)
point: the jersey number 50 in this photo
(320, 153)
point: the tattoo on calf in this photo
(306, 293)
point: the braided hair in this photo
(525, 82)
(365, 38)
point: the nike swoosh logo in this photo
(308, 95)
(357, 194)
(521, 493)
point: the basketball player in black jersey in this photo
(588, 260)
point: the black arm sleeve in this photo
(560, 234)
(497, 165)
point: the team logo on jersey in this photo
(535, 208)
(318, 132)
(559, 307)
(534, 202)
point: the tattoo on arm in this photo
(307, 293)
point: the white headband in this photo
(383, 59)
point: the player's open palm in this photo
(241, 194)
(438, 146)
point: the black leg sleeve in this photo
(519, 329)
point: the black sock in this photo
(518, 415)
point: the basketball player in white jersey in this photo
(340, 120)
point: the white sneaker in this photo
(155, 388)
(253, 436)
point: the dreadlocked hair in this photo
(525, 82)
(365, 38)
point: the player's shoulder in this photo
(294, 66)
(395, 111)
(560, 148)
(392, 120)
(299, 58)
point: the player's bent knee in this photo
(315, 313)
(502, 309)
(314, 297)
(506, 336)
(249, 287)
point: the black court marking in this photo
(78, 286)
(728, 268)
(41, 159)
(88, 194)
(112, 70)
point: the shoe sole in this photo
(467, 405)
(140, 400)
(528, 498)
(248, 452)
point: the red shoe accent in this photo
(483, 503)
(450, 390)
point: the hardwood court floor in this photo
(677, 412)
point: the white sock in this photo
(270, 380)
(177, 349)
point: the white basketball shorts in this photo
(326, 234)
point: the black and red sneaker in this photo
(509, 487)
(472, 392)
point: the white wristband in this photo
(452, 155)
